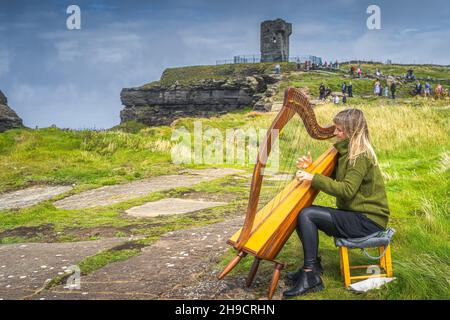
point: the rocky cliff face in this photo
(159, 105)
(8, 118)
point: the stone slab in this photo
(109, 195)
(170, 206)
(25, 268)
(30, 196)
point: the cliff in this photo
(160, 104)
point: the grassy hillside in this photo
(410, 136)
(190, 74)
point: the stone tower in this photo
(275, 40)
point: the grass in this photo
(192, 74)
(410, 136)
(95, 262)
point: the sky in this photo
(73, 78)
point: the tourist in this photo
(344, 88)
(359, 72)
(277, 69)
(336, 99)
(427, 89)
(362, 205)
(344, 99)
(386, 91)
(438, 92)
(418, 88)
(377, 88)
(350, 89)
(322, 91)
(378, 72)
(393, 88)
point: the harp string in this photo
(288, 141)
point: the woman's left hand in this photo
(304, 176)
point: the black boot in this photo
(293, 276)
(309, 281)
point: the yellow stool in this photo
(385, 264)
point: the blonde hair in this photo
(355, 127)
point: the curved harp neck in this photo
(295, 101)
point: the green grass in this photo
(95, 262)
(191, 74)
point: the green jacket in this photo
(357, 188)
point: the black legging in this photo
(309, 221)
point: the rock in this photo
(158, 105)
(3, 99)
(266, 100)
(8, 118)
(263, 106)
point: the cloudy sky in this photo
(73, 78)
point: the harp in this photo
(265, 232)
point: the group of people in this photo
(324, 92)
(309, 65)
(378, 89)
(427, 89)
(358, 71)
(389, 90)
(347, 88)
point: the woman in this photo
(361, 201)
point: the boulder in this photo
(8, 118)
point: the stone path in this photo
(171, 206)
(181, 265)
(24, 268)
(109, 195)
(30, 196)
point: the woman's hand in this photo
(304, 176)
(304, 162)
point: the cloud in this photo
(418, 47)
(107, 45)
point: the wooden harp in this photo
(264, 234)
